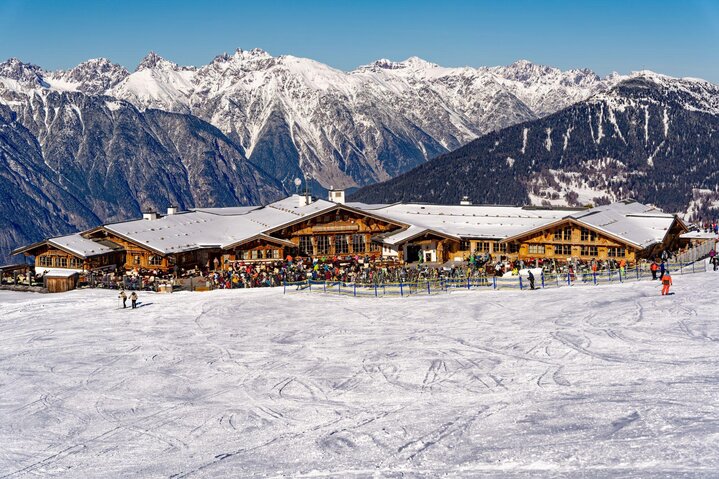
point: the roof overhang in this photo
(423, 232)
(260, 237)
(329, 209)
(140, 244)
(569, 219)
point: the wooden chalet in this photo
(217, 238)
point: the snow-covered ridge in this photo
(342, 128)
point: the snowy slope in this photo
(607, 381)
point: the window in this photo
(465, 245)
(588, 235)
(514, 248)
(306, 245)
(358, 244)
(156, 260)
(563, 234)
(75, 263)
(61, 261)
(45, 261)
(341, 246)
(536, 249)
(499, 247)
(254, 254)
(563, 250)
(373, 246)
(323, 244)
(483, 246)
(136, 259)
(275, 254)
(589, 251)
(616, 252)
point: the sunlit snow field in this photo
(607, 381)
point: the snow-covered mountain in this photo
(651, 137)
(295, 116)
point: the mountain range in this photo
(98, 143)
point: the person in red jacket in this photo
(666, 283)
(654, 267)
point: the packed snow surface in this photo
(607, 381)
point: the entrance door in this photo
(413, 252)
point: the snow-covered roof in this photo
(227, 211)
(215, 227)
(634, 222)
(58, 272)
(80, 246)
(463, 221)
(699, 235)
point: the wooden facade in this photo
(340, 232)
(134, 256)
(570, 239)
(48, 256)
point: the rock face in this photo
(295, 116)
(651, 137)
(71, 160)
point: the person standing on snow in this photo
(666, 283)
(123, 297)
(531, 279)
(653, 268)
(133, 298)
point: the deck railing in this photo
(521, 282)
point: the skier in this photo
(666, 283)
(133, 298)
(531, 279)
(653, 268)
(123, 297)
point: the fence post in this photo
(428, 290)
(324, 286)
(309, 285)
(693, 267)
(620, 275)
(542, 279)
(401, 291)
(594, 273)
(638, 275)
(468, 284)
(354, 288)
(375, 290)
(494, 282)
(284, 287)
(339, 287)
(520, 282)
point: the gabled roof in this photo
(73, 244)
(627, 221)
(462, 221)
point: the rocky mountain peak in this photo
(26, 74)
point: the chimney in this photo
(171, 210)
(336, 196)
(149, 215)
(465, 201)
(305, 199)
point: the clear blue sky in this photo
(679, 38)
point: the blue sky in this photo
(679, 38)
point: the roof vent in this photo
(336, 196)
(172, 210)
(465, 201)
(149, 215)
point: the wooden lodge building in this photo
(303, 226)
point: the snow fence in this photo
(521, 282)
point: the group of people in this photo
(133, 299)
